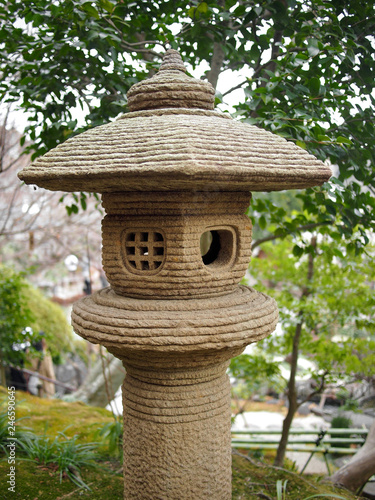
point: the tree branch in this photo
(132, 47)
(235, 87)
(318, 390)
(305, 227)
(2, 138)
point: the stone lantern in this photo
(173, 173)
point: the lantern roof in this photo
(173, 139)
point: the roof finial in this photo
(172, 61)
(171, 87)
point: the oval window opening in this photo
(217, 247)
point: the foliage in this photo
(4, 429)
(71, 418)
(112, 434)
(40, 482)
(15, 315)
(348, 403)
(251, 373)
(66, 454)
(249, 477)
(257, 479)
(317, 91)
(338, 332)
(281, 487)
(307, 73)
(51, 319)
(341, 422)
(24, 313)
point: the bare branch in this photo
(318, 390)
(305, 227)
(236, 87)
(132, 47)
(10, 208)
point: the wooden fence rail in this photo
(325, 442)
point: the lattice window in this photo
(144, 250)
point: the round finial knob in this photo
(172, 61)
(171, 88)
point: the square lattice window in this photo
(144, 250)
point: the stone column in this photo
(175, 318)
(177, 432)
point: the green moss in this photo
(42, 483)
(51, 416)
(50, 318)
(250, 477)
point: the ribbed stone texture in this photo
(175, 268)
(176, 350)
(176, 178)
(179, 420)
(171, 88)
(196, 326)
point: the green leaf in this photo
(313, 47)
(344, 140)
(323, 138)
(202, 7)
(314, 86)
(90, 9)
(107, 5)
(262, 222)
(297, 251)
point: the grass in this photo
(38, 482)
(253, 479)
(65, 454)
(51, 478)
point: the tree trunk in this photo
(292, 392)
(360, 468)
(216, 63)
(292, 399)
(218, 56)
(95, 389)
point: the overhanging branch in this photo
(305, 227)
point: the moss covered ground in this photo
(51, 416)
(252, 479)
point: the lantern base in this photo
(133, 328)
